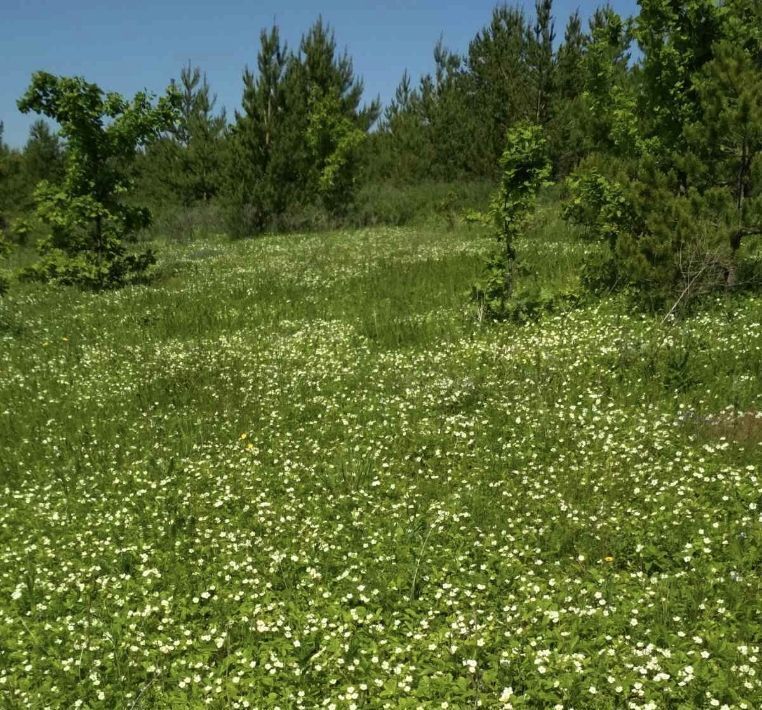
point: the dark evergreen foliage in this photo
(296, 143)
(659, 150)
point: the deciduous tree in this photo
(88, 217)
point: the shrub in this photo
(668, 246)
(186, 224)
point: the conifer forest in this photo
(448, 401)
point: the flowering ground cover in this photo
(299, 472)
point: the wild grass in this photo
(427, 204)
(298, 472)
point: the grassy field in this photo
(299, 472)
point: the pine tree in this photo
(566, 130)
(570, 59)
(43, 156)
(185, 166)
(321, 70)
(296, 141)
(329, 96)
(448, 115)
(259, 174)
(4, 241)
(14, 189)
(542, 60)
(689, 194)
(4, 175)
(199, 136)
(401, 149)
(726, 143)
(499, 88)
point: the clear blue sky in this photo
(128, 45)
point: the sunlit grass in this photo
(298, 472)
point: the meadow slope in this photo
(299, 472)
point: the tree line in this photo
(652, 125)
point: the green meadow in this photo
(304, 471)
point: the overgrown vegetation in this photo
(296, 472)
(660, 156)
(672, 187)
(299, 471)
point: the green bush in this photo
(418, 203)
(668, 246)
(185, 224)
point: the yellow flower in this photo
(609, 559)
(243, 436)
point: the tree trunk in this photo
(735, 244)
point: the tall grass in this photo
(375, 204)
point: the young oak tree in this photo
(4, 241)
(524, 168)
(88, 216)
(334, 142)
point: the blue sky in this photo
(126, 46)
